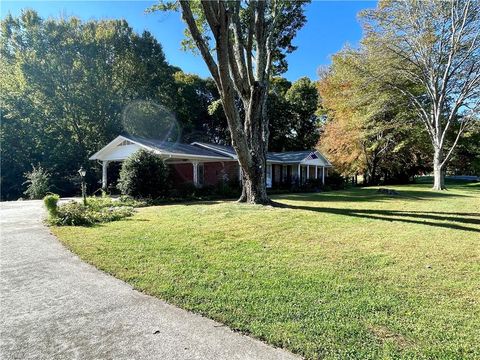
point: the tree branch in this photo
(199, 40)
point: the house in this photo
(206, 164)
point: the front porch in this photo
(287, 175)
(204, 173)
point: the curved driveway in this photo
(54, 306)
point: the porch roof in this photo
(305, 156)
(229, 150)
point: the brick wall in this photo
(182, 173)
(216, 171)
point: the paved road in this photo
(54, 306)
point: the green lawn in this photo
(340, 275)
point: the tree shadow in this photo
(368, 195)
(186, 202)
(455, 220)
(445, 213)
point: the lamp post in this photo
(82, 173)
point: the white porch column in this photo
(323, 175)
(104, 174)
(299, 175)
(316, 172)
(195, 173)
(240, 173)
(308, 172)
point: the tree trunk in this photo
(438, 174)
(254, 163)
(254, 192)
(254, 183)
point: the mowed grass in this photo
(341, 275)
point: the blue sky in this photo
(330, 25)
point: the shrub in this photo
(228, 188)
(335, 181)
(144, 175)
(51, 202)
(38, 182)
(77, 214)
(313, 185)
(73, 213)
(98, 203)
(184, 190)
(126, 200)
(114, 213)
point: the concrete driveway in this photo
(54, 306)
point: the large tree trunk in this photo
(254, 163)
(254, 189)
(438, 173)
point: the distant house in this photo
(206, 164)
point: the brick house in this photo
(205, 164)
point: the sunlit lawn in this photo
(348, 274)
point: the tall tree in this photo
(291, 110)
(242, 44)
(434, 45)
(303, 99)
(196, 109)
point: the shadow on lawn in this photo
(454, 220)
(369, 194)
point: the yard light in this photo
(82, 173)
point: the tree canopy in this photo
(292, 112)
(64, 86)
(68, 87)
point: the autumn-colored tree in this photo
(340, 140)
(369, 128)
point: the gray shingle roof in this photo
(291, 156)
(174, 147)
(220, 148)
(215, 150)
(229, 150)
